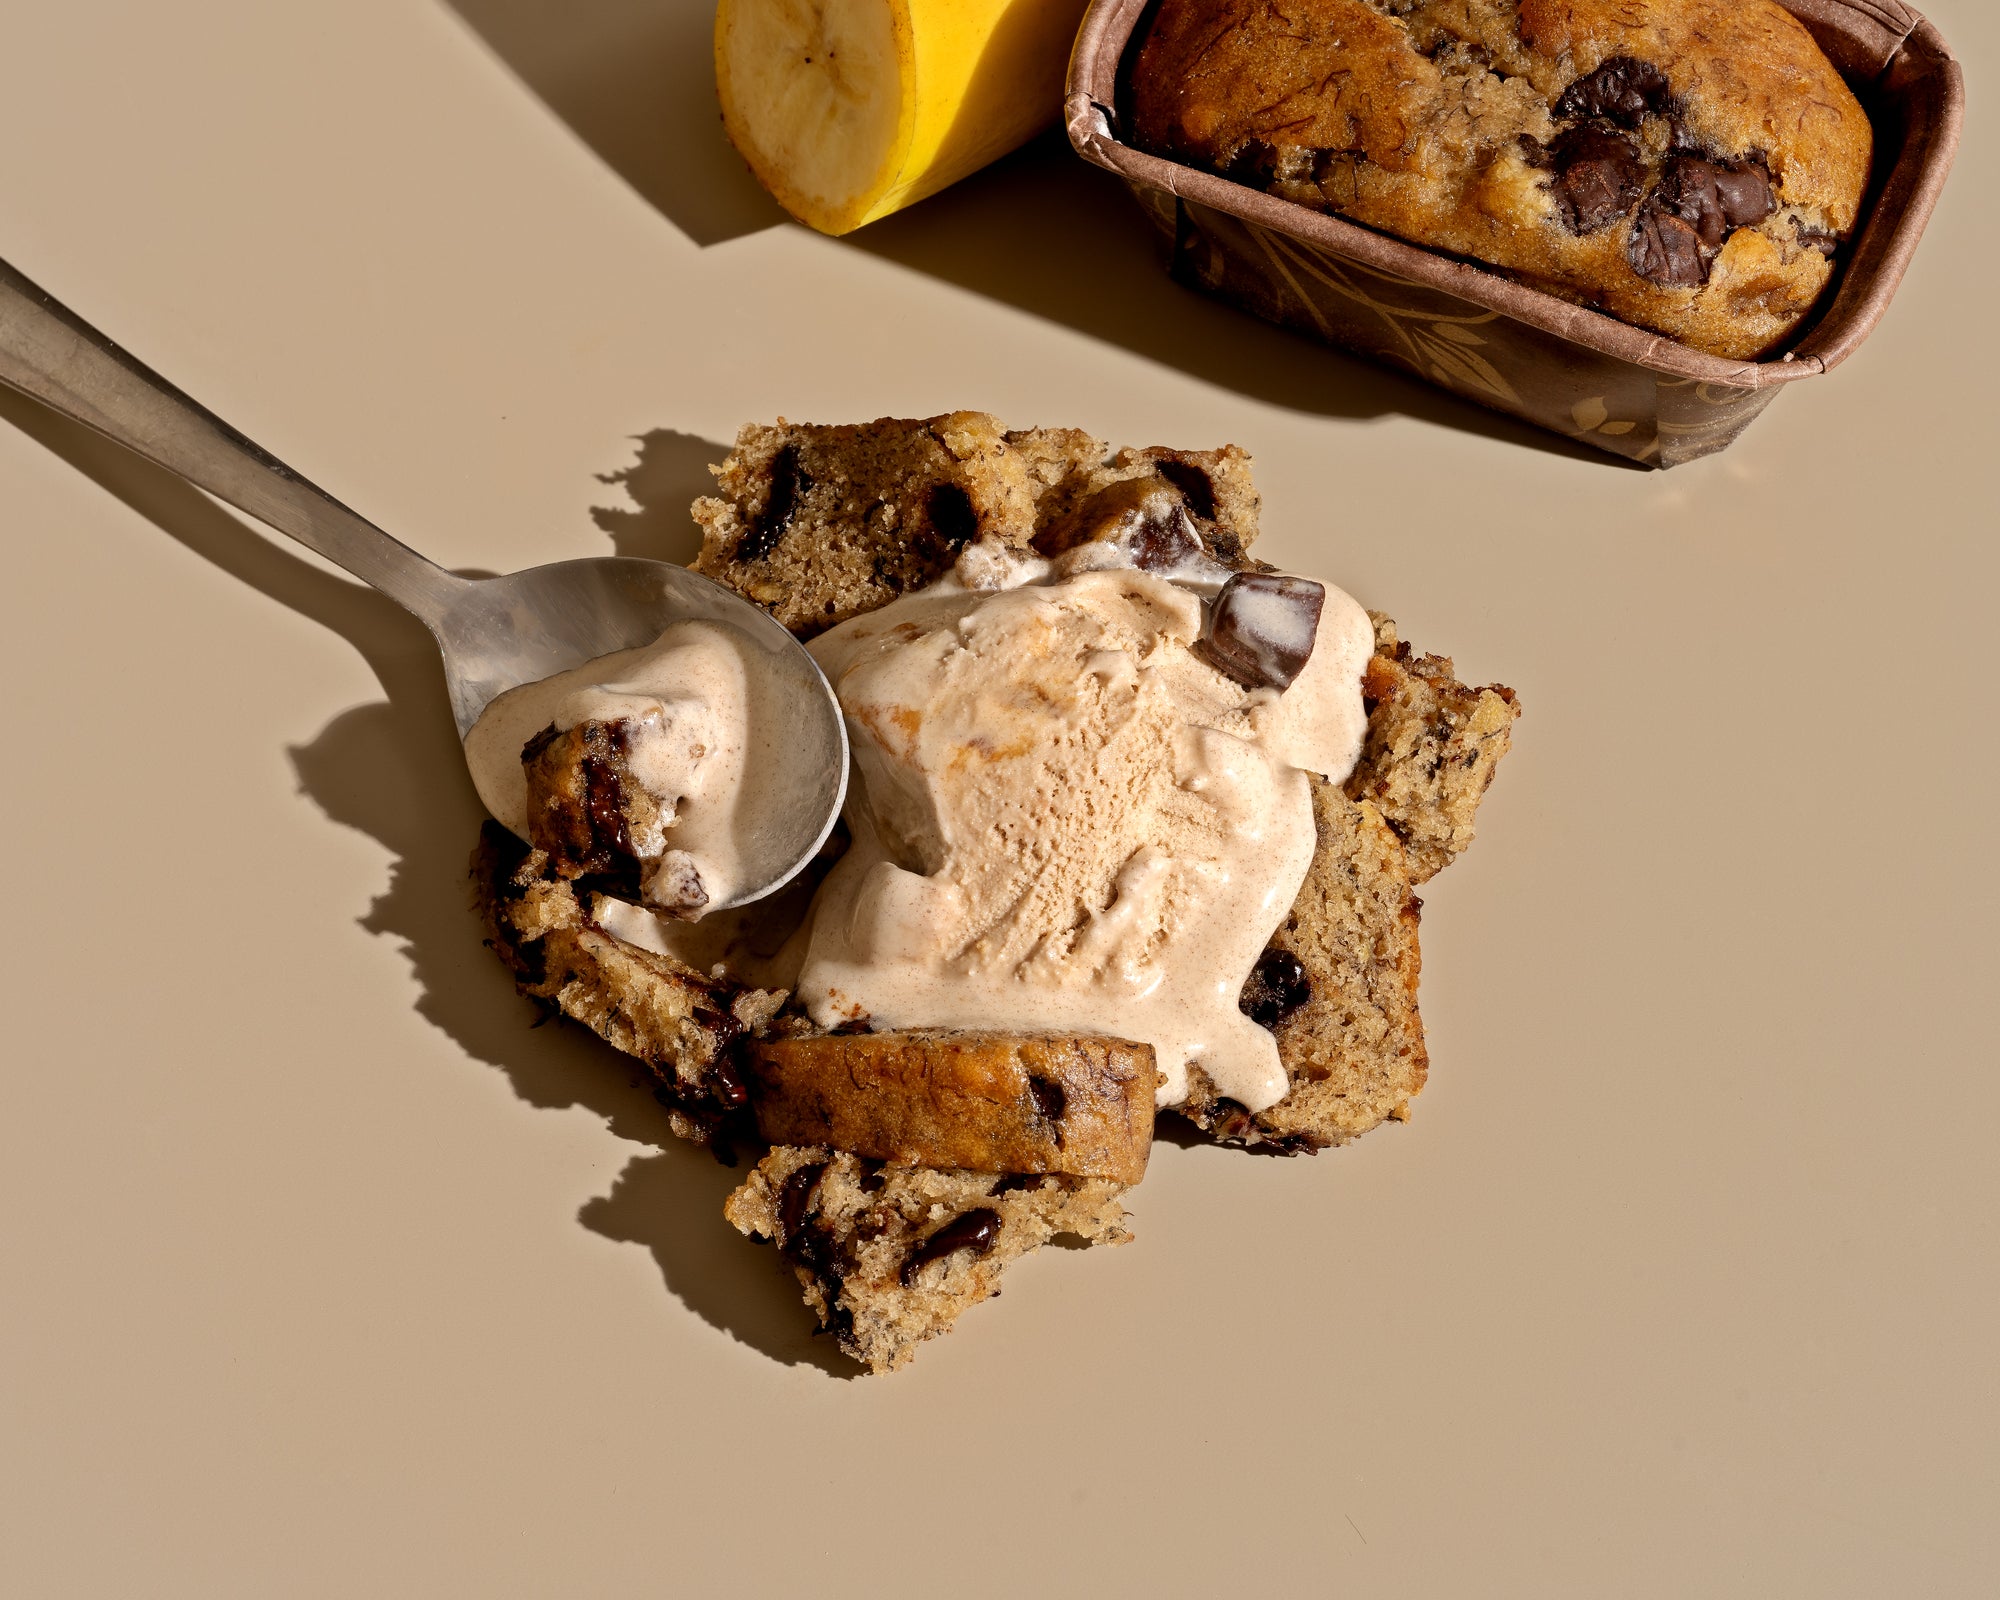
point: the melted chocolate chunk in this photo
(802, 1242)
(1817, 239)
(1599, 177)
(1714, 199)
(1018, 1180)
(1196, 486)
(1278, 986)
(604, 803)
(1665, 250)
(952, 516)
(1051, 1099)
(727, 1085)
(780, 505)
(974, 1231)
(1160, 544)
(795, 1197)
(1748, 195)
(1623, 90)
(1144, 516)
(1262, 628)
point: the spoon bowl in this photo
(495, 634)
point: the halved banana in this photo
(848, 110)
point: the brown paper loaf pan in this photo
(1467, 329)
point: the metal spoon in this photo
(494, 633)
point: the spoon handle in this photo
(51, 354)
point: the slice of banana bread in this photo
(889, 1256)
(990, 1102)
(818, 523)
(1338, 987)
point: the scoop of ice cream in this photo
(1067, 819)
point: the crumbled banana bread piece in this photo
(818, 523)
(1084, 491)
(986, 1102)
(584, 804)
(1338, 987)
(593, 818)
(680, 1022)
(1433, 746)
(889, 1256)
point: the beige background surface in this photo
(324, 1274)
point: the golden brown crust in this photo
(985, 1102)
(1575, 144)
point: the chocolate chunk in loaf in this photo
(987, 1102)
(890, 1256)
(1685, 165)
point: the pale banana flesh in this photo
(848, 110)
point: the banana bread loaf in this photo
(1688, 166)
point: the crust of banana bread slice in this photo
(987, 1102)
(1338, 986)
(890, 1256)
(681, 1023)
(1433, 746)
